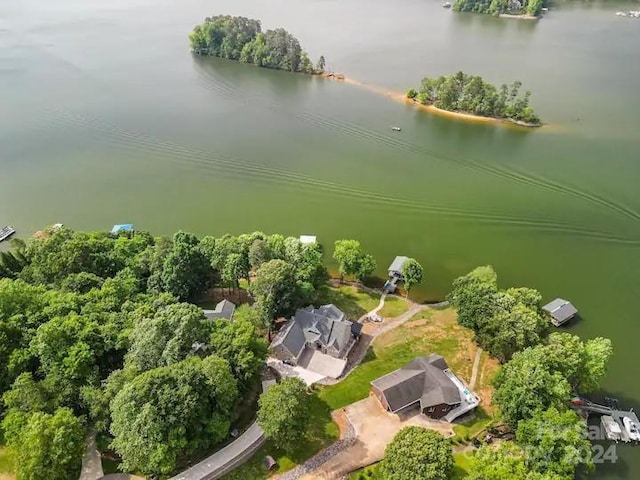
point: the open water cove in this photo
(105, 117)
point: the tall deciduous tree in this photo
(186, 271)
(167, 337)
(416, 452)
(239, 343)
(504, 462)
(171, 412)
(556, 442)
(284, 412)
(352, 261)
(275, 288)
(46, 446)
(412, 272)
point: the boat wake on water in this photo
(217, 164)
(227, 90)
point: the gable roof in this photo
(224, 309)
(398, 262)
(560, 309)
(423, 380)
(325, 325)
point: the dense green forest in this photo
(96, 331)
(496, 7)
(471, 94)
(240, 38)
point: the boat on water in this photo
(396, 129)
(632, 429)
(6, 232)
(611, 428)
(446, 4)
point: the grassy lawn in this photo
(462, 465)
(352, 301)
(429, 331)
(7, 464)
(355, 302)
(321, 433)
(366, 473)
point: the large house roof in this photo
(423, 380)
(560, 309)
(224, 309)
(325, 325)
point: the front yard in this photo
(429, 331)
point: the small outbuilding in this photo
(270, 463)
(122, 227)
(306, 239)
(560, 311)
(395, 269)
(224, 309)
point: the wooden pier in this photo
(612, 410)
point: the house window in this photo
(431, 409)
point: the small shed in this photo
(395, 269)
(224, 309)
(122, 227)
(561, 311)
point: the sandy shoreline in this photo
(518, 17)
(401, 97)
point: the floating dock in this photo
(6, 232)
(610, 410)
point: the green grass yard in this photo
(429, 331)
(7, 464)
(355, 302)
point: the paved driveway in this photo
(375, 428)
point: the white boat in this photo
(446, 4)
(632, 429)
(396, 129)
(621, 14)
(611, 428)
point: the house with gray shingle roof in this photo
(324, 329)
(426, 382)
(224, 309)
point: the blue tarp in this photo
(124, 227)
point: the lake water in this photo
(105, 117)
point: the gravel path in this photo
(91, 460)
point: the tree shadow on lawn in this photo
(345, 300)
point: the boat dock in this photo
(6, 232)
(610, 410)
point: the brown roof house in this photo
(318, 339)
(427, 383)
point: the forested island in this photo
(531, 8)
(242, 39)
(472, 95)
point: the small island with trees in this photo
(470, 94)
(528, 9)
(242, 39)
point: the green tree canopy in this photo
(169, 413)
(239, 343)
(416, 452)
(412, 272)
(46, 446)
(167, 337)
(283, 412)
(352, 261)
(556, 442)
(504, 462)
(186, 271)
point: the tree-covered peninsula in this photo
(471, 94)
(242, 39)
(496, 7)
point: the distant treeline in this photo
(242, 39)
(496, 7)
(471, 94)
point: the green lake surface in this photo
(105, 117)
